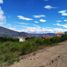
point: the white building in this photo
(21, 39)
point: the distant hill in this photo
(4, 32)
(41, 35)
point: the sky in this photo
(34, 16)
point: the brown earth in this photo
(55, 56)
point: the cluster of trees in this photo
(12, 49)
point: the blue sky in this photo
(34, 16)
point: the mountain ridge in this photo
(5, 32)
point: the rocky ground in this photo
(55, 56)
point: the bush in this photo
(12, 49)
(55, 39)
(64, 37)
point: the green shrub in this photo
(12, 49)
(64, 37)
(55, 39)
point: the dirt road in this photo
(55, 56)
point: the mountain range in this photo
(4, 32)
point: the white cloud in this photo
(24, 23)
(36, 30)
(58, 20)
(56, 30)
(43, 30)
(36, 22)
(42, 20)
(1, 1)
(62, 25)
(24, 18)
(49, 7)
(65, 20)
(39, 16)
(63, 12)
(13, 28)
(2, 16)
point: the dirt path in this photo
(52, 57)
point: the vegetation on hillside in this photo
(12, 49)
